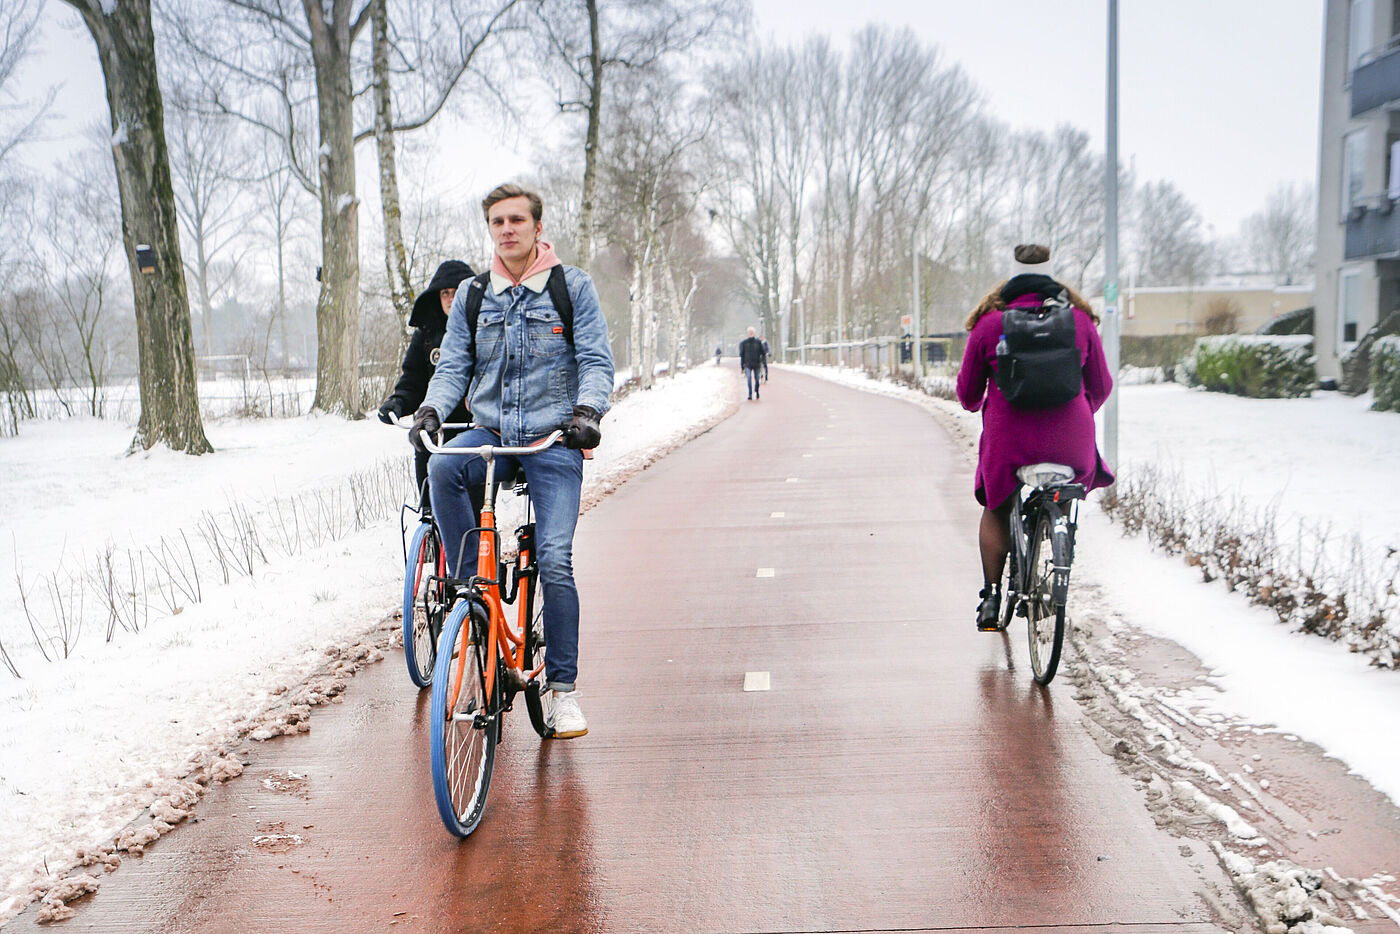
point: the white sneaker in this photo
(566, 718)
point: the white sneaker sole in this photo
(571, 734)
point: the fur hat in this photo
(427, 308)
(1031, 258)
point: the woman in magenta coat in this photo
(1016, 437)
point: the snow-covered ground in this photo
(82, 739)
(1327, 460)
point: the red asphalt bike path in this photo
(902, 773)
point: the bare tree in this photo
(19, 21)
(126, 50)
(586, 44)
(82, 233)
(1171, 249)
(210, 168)
(650, 188)
(410, 44)
(1280, 239)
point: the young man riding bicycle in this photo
(527, 369)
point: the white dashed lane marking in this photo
(757, 681)
(764, 572)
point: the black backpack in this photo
(558, 294)
(1038, 364)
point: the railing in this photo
(1373, 229)
(885, 354)
(1376, 79)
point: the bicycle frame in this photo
(503, 641)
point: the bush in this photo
(1222, 316)
(1385, 374)
(1253, 365)
(1164, 351)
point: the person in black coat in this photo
(753, 358)
(429, 319)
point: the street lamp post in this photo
(1111, 318)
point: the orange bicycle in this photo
(483, 659)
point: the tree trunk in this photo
(590, 146)
(395, 256)
(338, 304)
(649, 331)
(634, 302)
(169, 393)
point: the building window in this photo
(1348, 311)
(1360, 37)
(1353, 168)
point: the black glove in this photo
(425, 419)
(582, 431)
(389, 413)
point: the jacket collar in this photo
(536, 283)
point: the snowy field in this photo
(83, 738)
(1317, 458)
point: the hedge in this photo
(1259, 366)
(1385, 374)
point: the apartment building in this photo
(1358, 224)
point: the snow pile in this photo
(102, 753)
(1257, 365)
(1287, 898)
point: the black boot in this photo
(989, 610)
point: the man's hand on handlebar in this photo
(583, 432)
(425, 419)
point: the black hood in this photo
(427, 308)
(1029, 283)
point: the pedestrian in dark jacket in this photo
(754, 360)
(429, 319)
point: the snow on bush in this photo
(1254, 365)
(1348, 594)
(1385, 374)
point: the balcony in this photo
(1376, 80)
(1373, 230)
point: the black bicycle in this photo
(1042, 549)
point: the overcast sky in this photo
(1218, 96)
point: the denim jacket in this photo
(524, 380)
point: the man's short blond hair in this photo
(507, 191)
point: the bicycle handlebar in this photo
(491, 449)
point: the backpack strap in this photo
(557, 287)
(476, 288)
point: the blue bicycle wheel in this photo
(420, 604)
(463, 739)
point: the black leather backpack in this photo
(1038, 364)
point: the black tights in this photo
(994, 540)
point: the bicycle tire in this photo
(1045, 615)
(425, 559)
(463, 750)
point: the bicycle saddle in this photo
(1041, 476)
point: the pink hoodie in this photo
(545, 258)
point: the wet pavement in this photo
(902, 773)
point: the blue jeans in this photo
(751, 375)
(555, 476)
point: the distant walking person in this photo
(753, 358)
(766, 354)
(1036, 405)
(719, 352)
